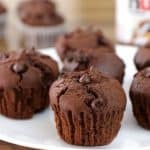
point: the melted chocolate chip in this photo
(82, 59)
(70, 58)
(102, 41)
(88, 102)
(19, 68)
(96, 104)
(85, 79)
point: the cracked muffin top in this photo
(108, 63)
(39, 13)
(85, 91)
(26, 69)
(79, 39)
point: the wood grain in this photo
(8, 146)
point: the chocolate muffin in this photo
(108, 63)
(79, 39)
(140, 97)
(39, 13)
(25, 78)
(142, 58)
(88, 107)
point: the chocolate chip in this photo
(88, 102)
(102, 41)
(96, 104)
(85, 79)
(82, 59)
(19, 68)
(70, 58)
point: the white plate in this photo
(39, 132)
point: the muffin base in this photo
(22, 103)
(141, 109)
(87, 129)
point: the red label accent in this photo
(144, 4)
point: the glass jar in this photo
(133, 21)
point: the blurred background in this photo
(97, 13)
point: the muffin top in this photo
(108, 63)
(26, 69)
(2, 8)
(141, 82)
(87, 91)
(80, 38)
(39, 13)
(142, 58)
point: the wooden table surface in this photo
(8, 146)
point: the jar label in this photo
(133, 21)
